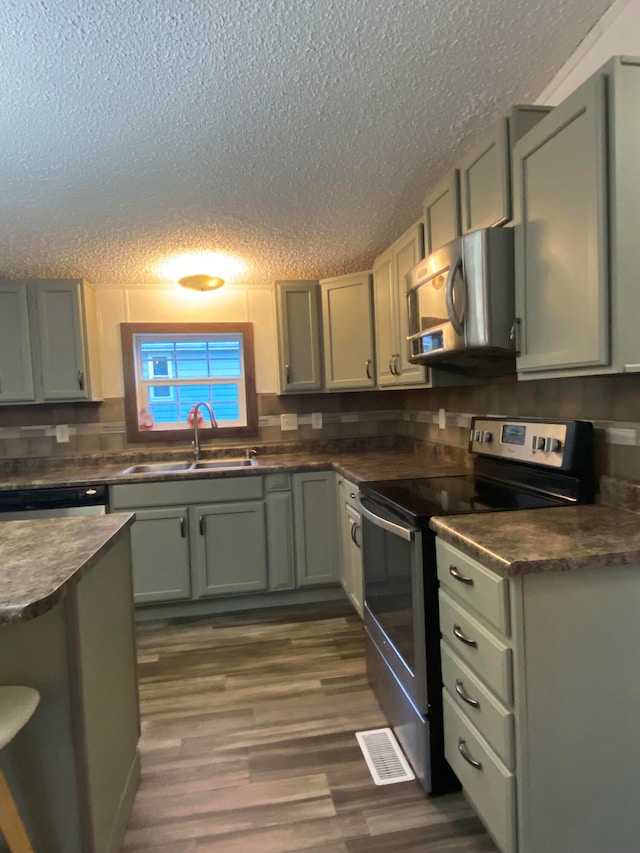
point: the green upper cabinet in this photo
(477, 192)
(442, 213)
(50, 351)
(391, 325)
(577, 207)
(16, 365)
(347, 323)
(299, 337)
(485, 173)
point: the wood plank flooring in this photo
(248, 744)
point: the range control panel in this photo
(542, 443)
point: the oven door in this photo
(394, 605)
(436, 304)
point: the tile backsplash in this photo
(611, 402)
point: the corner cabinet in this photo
(316, 528)
(577, 208)
(299, 336)
(49, 349)
(391, 323)
(347, 321)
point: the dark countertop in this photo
(356, 466)
(40, 561)
(558, 539)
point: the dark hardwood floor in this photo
(248, 744)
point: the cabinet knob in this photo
(367, 368)
(201, 525)
(453, 571)
(183, 529)
(462, 693)
(287, 374)
(81, 379)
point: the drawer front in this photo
(488, 657)
(491, 787)
(280, 482)
(492, 719)
(205, 490)
(486, 592)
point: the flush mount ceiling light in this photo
(201, 281)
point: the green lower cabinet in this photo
(280, 541)
(316, 528)
(230, 548)
(160, 553)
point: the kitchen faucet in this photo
(196, 434)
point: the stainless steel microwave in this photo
(461, 304)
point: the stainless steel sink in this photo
(223, 464)
(157, 467)
(202, 465)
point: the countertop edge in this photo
(13, 614)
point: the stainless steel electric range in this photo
(518, 464)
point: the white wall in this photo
(174, 304)
(616, 34)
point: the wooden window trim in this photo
(134, 433)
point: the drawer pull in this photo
(453, 571)
(459, 633)
(464, 752)
(462, 693)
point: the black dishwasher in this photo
(53, 502)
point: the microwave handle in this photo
(405, 533)
(451, 308)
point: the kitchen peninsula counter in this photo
(41, 559)
(66, 629)
(557, 539)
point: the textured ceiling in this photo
(299, 135)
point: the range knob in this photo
(552, 445)
(487, 437)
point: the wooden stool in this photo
(17, 704)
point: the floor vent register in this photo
(384, 757)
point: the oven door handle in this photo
(406, 533)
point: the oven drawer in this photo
(492, 719)
(487, 655)
(483, 590)
(490, 787)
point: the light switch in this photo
(316, 420)
(442, 418)
(288, 422)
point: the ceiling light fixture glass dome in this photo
(201, 281)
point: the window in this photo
(169, 368)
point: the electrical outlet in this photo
(316, 420)
(442, 418)
(62, 433)
(288, 422)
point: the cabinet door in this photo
(230, 548)
(280, 541)
(62, 340)
(16, 366)
(354, 587)
(298, 309)
(562, 287)
(385, 302)
(407, 252)
(316, 528)
(442, 213)
(485, 182)
(347, 320)
(160, 555)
